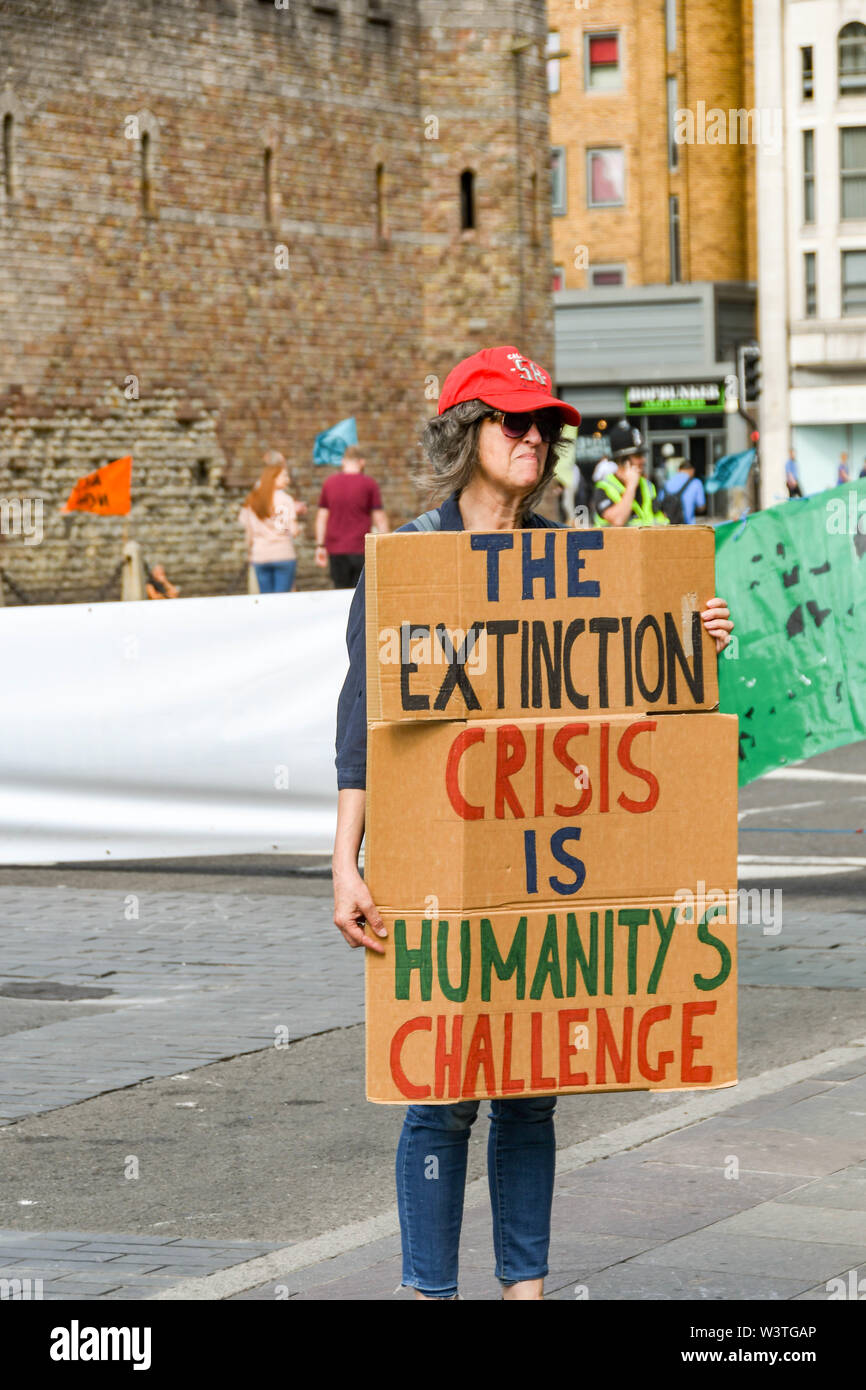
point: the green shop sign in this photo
(667, 399)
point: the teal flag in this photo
(331, 445)
(731, 471)
(794, 577)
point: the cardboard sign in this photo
(538, 622)
(542, 822)
(589, 998)
(493, 814)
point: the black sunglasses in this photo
(516, 423)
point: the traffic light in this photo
(749, 372)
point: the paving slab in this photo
(659, 1282)
(845, 1191)
(763, 1150)
(816, 1226)
(746, 1254)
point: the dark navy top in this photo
(351, 756)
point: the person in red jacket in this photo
(348, 503)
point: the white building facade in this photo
(810, 62)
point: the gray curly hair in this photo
(450, 444)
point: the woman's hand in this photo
(716, 618)
(354, 910)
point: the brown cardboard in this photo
(589, 998)
(641, 800)
(595, 621)
(567, 925)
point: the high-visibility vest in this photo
(643, 512)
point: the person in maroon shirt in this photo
(348, 503)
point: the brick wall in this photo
(232, 354)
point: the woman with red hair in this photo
(269, 516)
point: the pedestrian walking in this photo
(625, 497)
(490, 452)
(792, 475)
(683, 495)
(842, 475)
(349, 505)
(269, 516)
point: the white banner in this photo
(161, 729)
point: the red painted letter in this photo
(691, 1044)
(400, 1078)
(452, 784)
(625, 761)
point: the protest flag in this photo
(331, 445)
(105, 492)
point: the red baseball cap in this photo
(504, 378)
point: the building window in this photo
(381, 208)
(553, 47)
(557, 181)
(467, 201)
(378, 12)
(605, 178)
(852, 59)
(671, 24)
(146, 175)
(269, 184)
(807, 74)
(854, 282)
(602, 62)
(600, 276)
(533, 208)
(808, 176)
(810, 299)
(558, 279)
(852, 164)
(9, 154)
(674, 234)
(673, 104)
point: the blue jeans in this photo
(277, 577)
(431, 1178)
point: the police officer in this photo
(626, 497)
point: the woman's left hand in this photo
(717, 621)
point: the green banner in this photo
(794, 577)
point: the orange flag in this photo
(106, 492)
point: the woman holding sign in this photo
(491, 450)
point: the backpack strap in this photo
(429, 521)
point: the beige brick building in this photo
(632, 199)
(653, 144)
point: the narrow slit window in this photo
(146, 175)
(467, 201)
(808, 176)
(381, 206)
(810, 285)
(533, 207)
(9, 154)
(269, 184)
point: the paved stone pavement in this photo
(195, 977)
(198, 976)
(192, 978)
(75, 1264)
(766, 1201)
